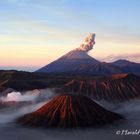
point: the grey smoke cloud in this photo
(38, 98)
(32, 95)
(88, 43)
(18, 96)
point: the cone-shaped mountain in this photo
(66, 111)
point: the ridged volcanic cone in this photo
(67, 111)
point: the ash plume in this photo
(88, 43)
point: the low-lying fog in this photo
(9, 130)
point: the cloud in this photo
(132, 57)
(17, 96)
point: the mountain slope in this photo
(69, 62)
(119, 87)
(68, 111)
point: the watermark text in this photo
(128, 132)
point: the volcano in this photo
(78, 61)
(67, 111)
(75, 60)
(118, 87)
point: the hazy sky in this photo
(35, 32)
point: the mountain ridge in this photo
(119, 87)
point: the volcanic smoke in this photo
(88, 43)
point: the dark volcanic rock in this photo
(68, 111)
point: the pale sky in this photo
(33, 33)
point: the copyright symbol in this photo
(118, 132)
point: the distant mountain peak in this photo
(76, 54)
(73, 59)
(122, 61)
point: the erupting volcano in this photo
(66, 111)
(78, 61)
(74, 59)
